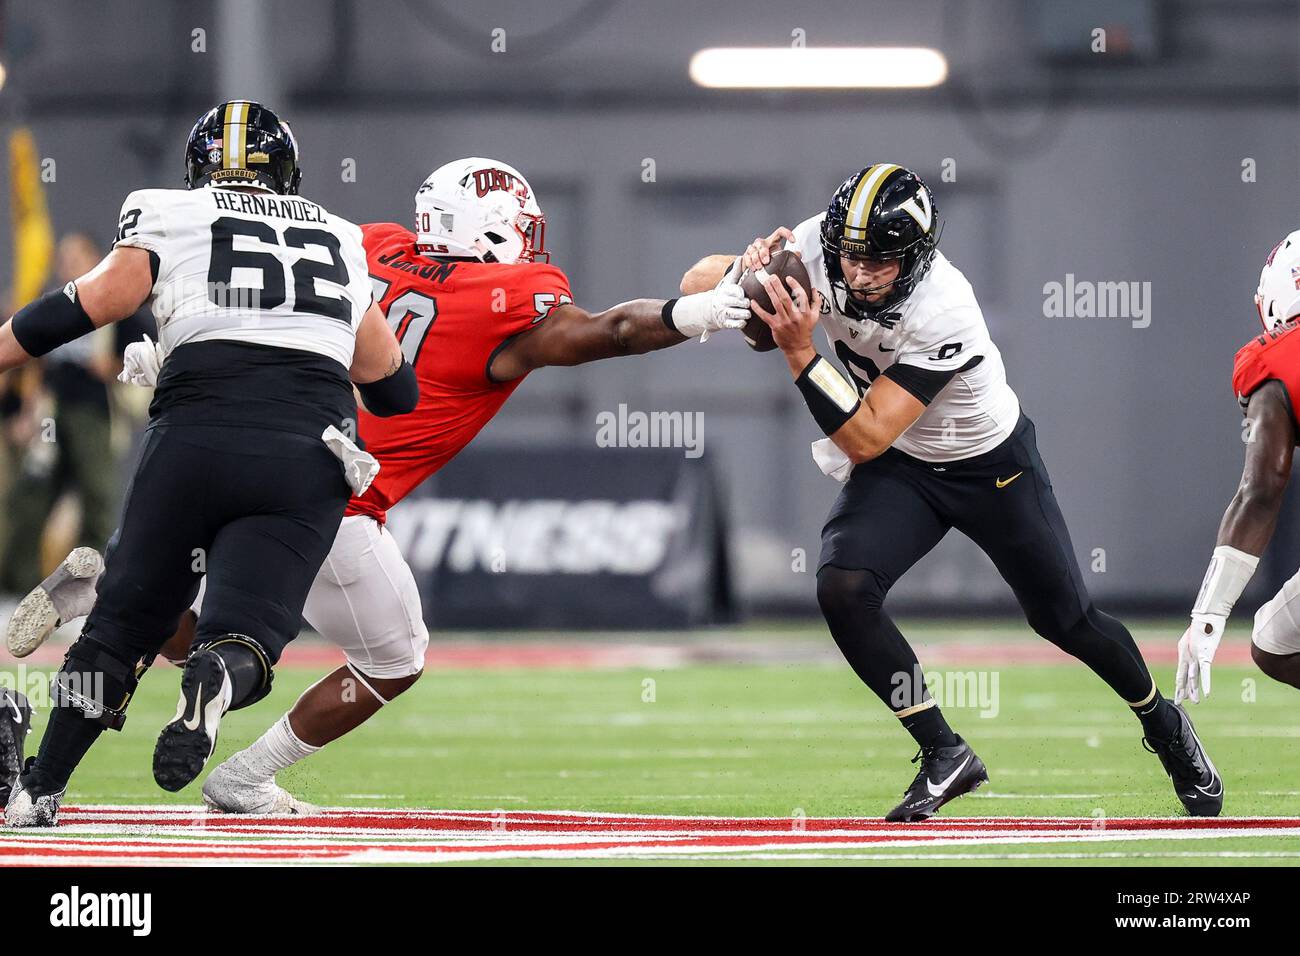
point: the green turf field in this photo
(774, 739)
(728, 740)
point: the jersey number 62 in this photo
(226, 259)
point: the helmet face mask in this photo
(860, 297)
(481, 209)
(882, 213)
(242, 143)
(534, 236)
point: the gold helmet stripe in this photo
(235, 135)
(860, 206)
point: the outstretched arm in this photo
(108, 293)
(1244, 533)
(708, 272)
(1270, 438)
(572, 336)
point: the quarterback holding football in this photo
(927, 436)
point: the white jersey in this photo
(252, 267)
(940, 328)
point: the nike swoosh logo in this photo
(1003, 482)
(940, 790)
(883, 349)
(193, 722)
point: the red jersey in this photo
(451, 318)
(1273, 356)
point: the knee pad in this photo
(230, 611)
(841, 591)
(97, 682)
(247, 664)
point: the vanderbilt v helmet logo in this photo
(920, 208)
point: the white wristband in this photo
(1229, 572)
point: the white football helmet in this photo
(1278, 296)
(480, 208)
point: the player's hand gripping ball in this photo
(784, 306)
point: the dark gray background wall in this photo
(1120, 169)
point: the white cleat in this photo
(233, 788)
(68, 593)
(25, 811)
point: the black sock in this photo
(929, 728)
(245, 669)
(68, 735)
(1159, 717)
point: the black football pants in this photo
(256, 510)
(896, 508)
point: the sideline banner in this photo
(559, 537)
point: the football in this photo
(784, 264)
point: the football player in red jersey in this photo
(476, 307)
(1266, 379)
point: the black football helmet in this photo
(882, 212)
(241, 143)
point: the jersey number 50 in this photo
(226, 259)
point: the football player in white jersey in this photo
(266, 319)
(928, 436)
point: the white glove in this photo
(1195, 654)
(359, 467)
(725, 307)
(141, 363)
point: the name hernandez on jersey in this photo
(936, 345)
(451, 318)
(248, 267)
(1271, 357)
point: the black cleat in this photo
(1196, 780)
(15, 725)
(185, 744)
(946, 773)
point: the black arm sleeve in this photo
(395, 395)
(925, 384)
(52, 320)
